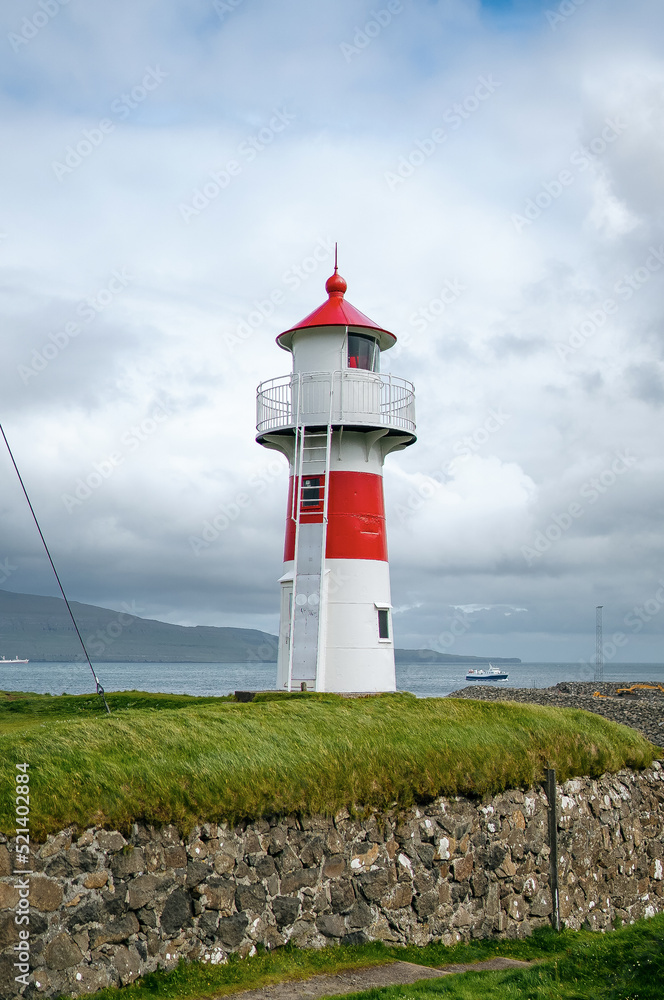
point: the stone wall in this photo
(104, 909)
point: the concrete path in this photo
(373, 977)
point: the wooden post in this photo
(553, 846)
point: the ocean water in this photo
(423, 680)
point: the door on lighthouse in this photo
(285, 630)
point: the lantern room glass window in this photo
(363, 352)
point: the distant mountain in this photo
(431, 656)
(39, 628)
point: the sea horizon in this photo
(425, 680)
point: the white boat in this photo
(490, 674)
(3, 660)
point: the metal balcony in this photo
(351, 397)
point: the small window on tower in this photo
(363, 352)
(383, 623)
(312, 493)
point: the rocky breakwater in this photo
(642, 709)
(105, 908)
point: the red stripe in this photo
(356, 518)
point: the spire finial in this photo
(335, 284)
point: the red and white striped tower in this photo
(335, 418)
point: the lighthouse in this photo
(336, 417)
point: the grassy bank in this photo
(182, 760)
(626, 963)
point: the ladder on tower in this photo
(309, 511)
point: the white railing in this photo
(347, 397)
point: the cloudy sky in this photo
(174, 176)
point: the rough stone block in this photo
(223, 862)
(331, 925)
(176, 857)
(55, 844)
(9, 896)
(265, 866)
(541, 905)
(278, 840)
(115, 931)
(313, 851)
(86, 980)
(285, 909)
(127, 964)
(298, 879)
(197, 872)
(250, 897)
(127, 863)
(96, 880)
(89, 912)
(220, 897)
(374, 885)
(342, 896)
(62, 952)
(5, 862)
(110, 841)
(231, 930)
(176, 913)
(142, 890)
(8, 931)
(426, 904)
(399, 896)
(334, 867)
(360, 915)
(463, 868)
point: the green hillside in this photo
(39, 628)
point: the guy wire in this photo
(100, 690)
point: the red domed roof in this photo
(337, 312)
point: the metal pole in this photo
(553, 846)
(599, 646)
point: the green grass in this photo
(20, 710)
(626, 964)
(184, 760)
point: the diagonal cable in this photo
(100, 690)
